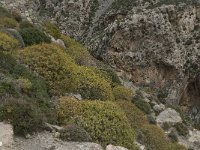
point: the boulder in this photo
(6, 136)
(112, 147)
(159, 108)
(169, 116)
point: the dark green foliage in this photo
(142, 105)
(16, 16)
(24, 116)
(75, 133)
(33, 36)
(173, 137)
(4, 12)
(38, 89)
(182, 129)
(52, 29)
(25, 24)
(15, 34)
(151, 119)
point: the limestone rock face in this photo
(112, 147)
(168, 116)
(6, 136)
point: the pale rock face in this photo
(6, 136)
(112, 147)
(159, 108)
(192, 140)
(168, 116)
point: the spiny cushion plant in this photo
(7, 43)
(122, 93)
(52, 29)
(78, 52)
(62, 74)
(104, 121)
(33, 36)
(152, 136)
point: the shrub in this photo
(17, 71)
(7, 43)
(4, 12)
(151, 136)
(173, 136)
(50, 62)
(91, 85)
(78, 52)
(62, 74)
(33, 36)
(181, 129)
(175, 146)
(122, 93)
(104, 121)
(16, 16)
(24, 116)
(75, 133)
(155, 138)
(110, 75)
(136, 117)
(15, 34)
(8, 22)
(52, 29)
(25, 24)
(144, 106)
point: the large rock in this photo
(6, 136)
(112, 147)
(169, 116)
(192, 141)
(47, 141)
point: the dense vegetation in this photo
(34, 74)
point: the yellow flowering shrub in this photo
(7, 43)
(62, 74)
(52, 29)
(91, 85)
(152, 136)
(8, 22)
(104, 121)
(122, 93)
(78, 52)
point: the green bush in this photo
(75, 133)
(110, 75)
(91, 85)
(144, 106)
(4, 12)
(173, 136)
(33, 36)
(25, 117)
(25, 24)
(62, 74)
(17, 72)
(7, 43)
(8, 22)
(122, 93)
(181, 129)
(78, 52)
(14, 34)
(16, 16)
(151, 136)
(52, 29)
(104, 121)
